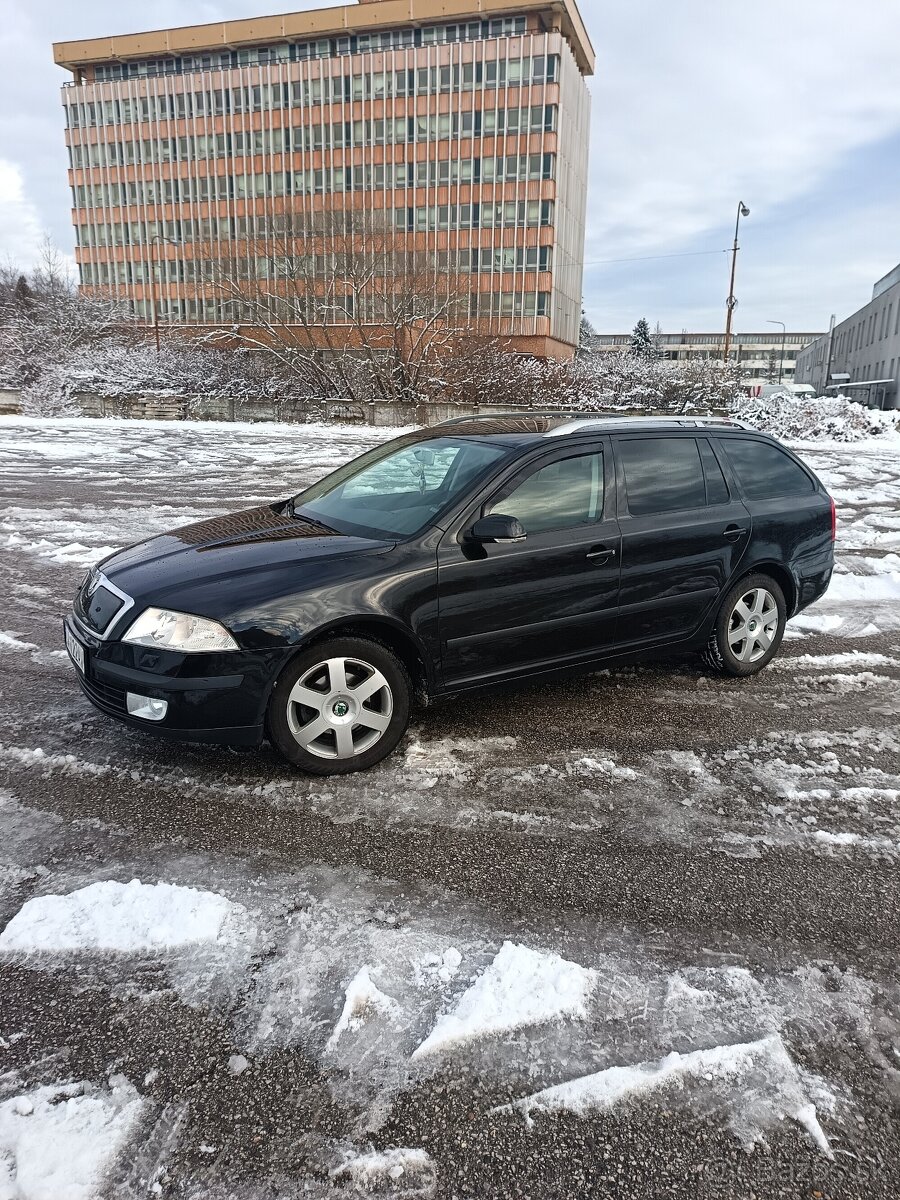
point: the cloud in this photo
(698, 105)
(21, 232)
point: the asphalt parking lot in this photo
(677, 892)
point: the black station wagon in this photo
(478, 551)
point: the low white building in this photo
(759, 354)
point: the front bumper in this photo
(217, 698)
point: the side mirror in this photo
(497, 528)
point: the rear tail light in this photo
(833, 519)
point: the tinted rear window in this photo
(764, 471)
(662, 474)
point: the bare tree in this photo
(343, 300)
(44, 321)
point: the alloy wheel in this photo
(340, 708)
(752, 625)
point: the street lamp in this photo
(742, 211)
(783, 340)
(154, 263)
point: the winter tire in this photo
(339, 706)
(749, 627)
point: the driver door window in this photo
(562, 494)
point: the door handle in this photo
(600, 555)
(733, 532)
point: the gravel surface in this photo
(719, 856)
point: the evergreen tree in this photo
(586, 335)
(23, 296)
(641, 342)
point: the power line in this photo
(600, 262)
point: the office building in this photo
(861, 356)
(455, 130)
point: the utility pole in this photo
(783, 340)
(742, 211)
(828, 356)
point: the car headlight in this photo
(167, 630)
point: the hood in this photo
(224, 547)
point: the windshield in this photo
(396, 490)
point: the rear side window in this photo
(662, 474)
(764, 471)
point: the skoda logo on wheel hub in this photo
(341, 708)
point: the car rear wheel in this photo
(749, 627)
(340, 706)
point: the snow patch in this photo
(852, 658)
(602, 766)
(122, 918)
(400, 1171)
(763, 1069)
(59, 1143)
(451, 754)
(521, 987)
(362, 1001)
(882, 584)
(437, 968)
(10, 641)
(816, 622)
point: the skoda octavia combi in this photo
(475, 552)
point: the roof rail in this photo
(501, 413)
(622, 422)
(580, 419)
(568, 421)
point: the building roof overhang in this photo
(322, 22)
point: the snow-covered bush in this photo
(178, 368)
(829, 418)
(489, 374)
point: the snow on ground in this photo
(121, 918)
(60, 1142)
(520, 988)
(399, 1171)
(9, 641)
(362, 1001)
(850, 658)
(714, 1036)
(218, 465)
(771, 1088)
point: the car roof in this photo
(556, 423)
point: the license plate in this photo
(76, 651)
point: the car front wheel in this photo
(340, 706)
(749, 627)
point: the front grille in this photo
(104, 695)
(96, 610)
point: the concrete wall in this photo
(10, 402)
(180, 408)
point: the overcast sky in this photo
(790, 105)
